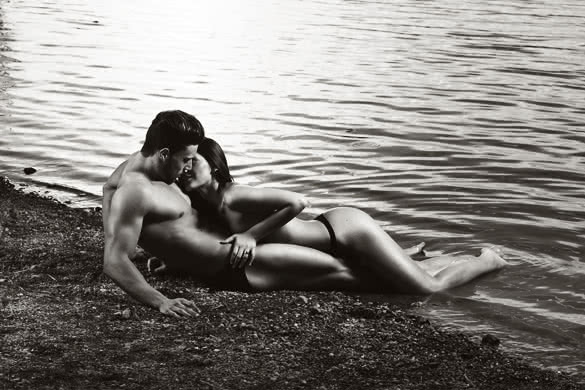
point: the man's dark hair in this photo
(174, 130)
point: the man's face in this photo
(179, 161)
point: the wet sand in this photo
(65, 325)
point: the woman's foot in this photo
(417, 249)
(494, 254)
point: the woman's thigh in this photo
(360, 237)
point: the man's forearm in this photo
(125, 275)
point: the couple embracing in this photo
(177, 199)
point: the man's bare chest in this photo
(167, 203)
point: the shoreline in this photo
(64, 324)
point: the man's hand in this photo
(179, 307)
(243, 249)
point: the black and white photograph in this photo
(292, 194)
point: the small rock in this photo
(315, 309)
(29, 170)
(490, 340)
(304, 298)
(126, 314)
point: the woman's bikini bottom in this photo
(332, 239)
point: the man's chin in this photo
(170, 181)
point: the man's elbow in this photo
(108, 268)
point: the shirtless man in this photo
(141, 192)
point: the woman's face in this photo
(199, 175)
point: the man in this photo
(142, 192)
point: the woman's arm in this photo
(280, 205)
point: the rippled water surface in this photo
(458, 123)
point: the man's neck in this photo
(147, 165)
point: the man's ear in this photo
(164, 153)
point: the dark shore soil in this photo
(63, 324)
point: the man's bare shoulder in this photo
(127, 184)
(133, 185)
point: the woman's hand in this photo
(243, 249)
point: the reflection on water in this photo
(457, 124)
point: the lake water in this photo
(461, 124)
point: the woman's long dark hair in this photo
(213, 153)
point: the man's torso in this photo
(171, 229)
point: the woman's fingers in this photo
(240, 255)
(244, 257)
(237, 256)
(228, 240)
(234, 254)
(251, 256)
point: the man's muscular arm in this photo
(122, 227)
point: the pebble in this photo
(29, 170)
(490, 340)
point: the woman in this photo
(262, 215)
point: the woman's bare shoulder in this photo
(236, 191)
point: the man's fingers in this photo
(183, 312)
(190, 306)
(172, 314)
(181, 309)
